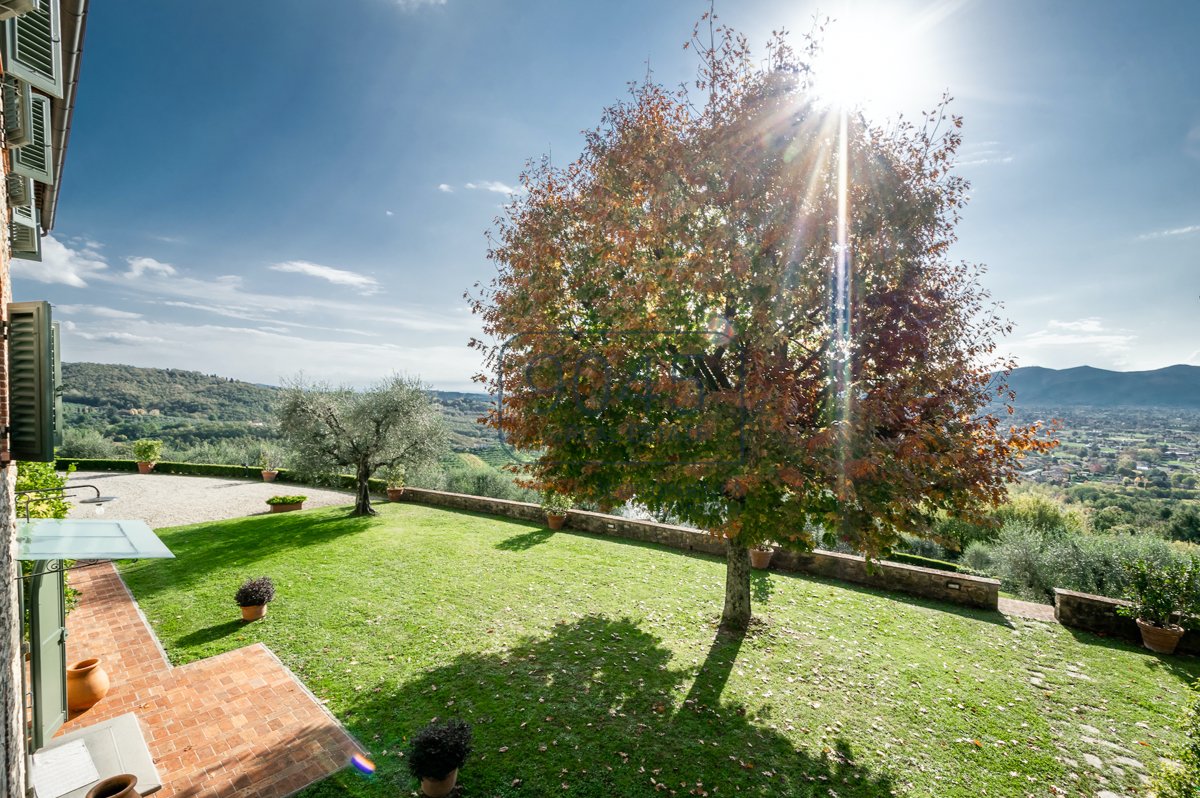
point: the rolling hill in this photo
(1171, 387)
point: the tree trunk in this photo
(736, 617)
(362, 504)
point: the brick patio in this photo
(237, 724)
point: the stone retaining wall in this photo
(971, 591)
(1098, 614)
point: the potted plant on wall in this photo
(253, 597)
(285, 504)
(761, 554)
(556, 506)
(1160, 596)
(147, 452)
(436, 753)
(394, 477)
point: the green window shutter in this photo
(19, 190)
(24, 239)
(33, 49)
(18, 102)
(33, 160)
(48, 650)
(30, 382)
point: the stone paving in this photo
(237, 724)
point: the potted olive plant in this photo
(285, 504)
(555, 506)
(436, 753)
(147, 452)
(1160, 596)
(253, 597)
(394, 477)
(761, 553)
(268, 461)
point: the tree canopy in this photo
(394, 422)
(680, 317)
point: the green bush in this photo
(287, 500)
(1182, 780)
(556, 503)
(1032, 562)
(1161, 591)
(89, 443)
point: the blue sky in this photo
(257, 189)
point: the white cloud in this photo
(117, 337)
(96, 310)
(364, 283)
(139, 266)
(495, 186)
(388, 213)
(413, 5)
(1170, 233)
(1085, 340)
(445, 188)
(72, 266)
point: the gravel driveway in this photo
(163, 500)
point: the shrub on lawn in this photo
(255, 592)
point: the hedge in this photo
(924, 562)
(341, 481)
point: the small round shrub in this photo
(147, 450)
(438, 749)
(287, 500)
(556, 503)
(255, 592)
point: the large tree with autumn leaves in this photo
(736, 307)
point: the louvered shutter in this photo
(30, 382)
(17, 101)
(24, 240)
(33, 160)
(33, 45)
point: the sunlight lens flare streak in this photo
(841, 291)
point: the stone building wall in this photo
(971, 591)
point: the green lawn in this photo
(590, 667)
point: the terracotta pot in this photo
(1161, 640)
(555, 521)
(115, 787)
(436, 788)
(395, 494)
(286, 508)
(253, 613)
(144, 467)
(87, 683)
(760, 558)
(269, 475)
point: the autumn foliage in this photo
(665, 322)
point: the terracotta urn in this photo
(87, 683)
(395, 494)
(437, 788)
(555, 521)
(253, 613)
(269, 475)
(115, 787)
(1160, 639)
(760, 558)
(144, 467)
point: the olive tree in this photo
(395, 422)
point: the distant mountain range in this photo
(1171, 387)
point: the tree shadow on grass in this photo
(525, 541)
(1184, 667)
(210, 633)
(240, 542)
(595, 709)
(761, 586)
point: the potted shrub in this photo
(761, 554)
(284, 504)
(253, 597)
(436, 753)
(1159, 598)
(268, 461)
(147, 452)
(394, 477)
(556, 505)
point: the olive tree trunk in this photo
(736, 617)
(362, 503)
